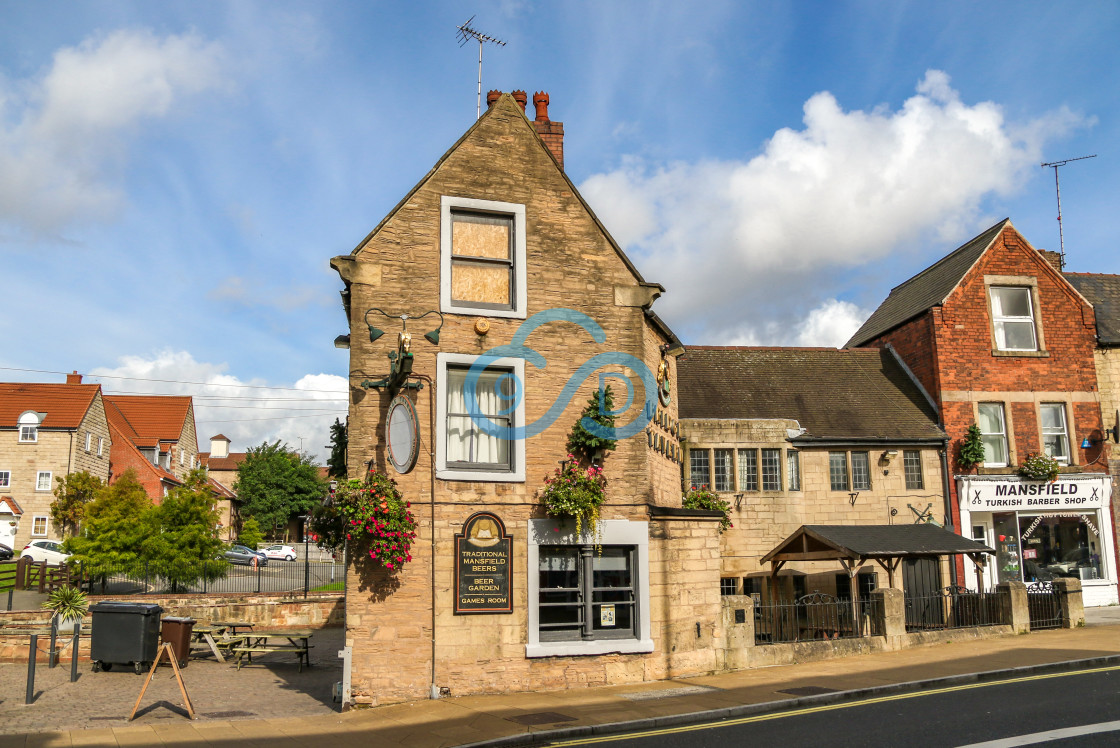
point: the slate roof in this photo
(835, 394)
(876, 541)
(927, 289)
(1103, 292)
(65, 404)
(149, 419)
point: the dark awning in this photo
(855, 542)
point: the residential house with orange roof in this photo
(221, 465)
(47, 431)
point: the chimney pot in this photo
(74, 378)
(491, 97)
(540, 101)
(521, 98)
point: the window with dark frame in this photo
(468, 446)
(748, 470)
(723, 478)
(5, 478)
(838, 471)
(482, 260)
(771, 470)
(861, 471)
(587, 594)
(912, 469)
(699, 473)
(727, 586)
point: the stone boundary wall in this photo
(315, 612)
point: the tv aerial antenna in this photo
(1057, 188)
(466, 33)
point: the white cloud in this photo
(737, 241)
(249, 412)
(64, 135)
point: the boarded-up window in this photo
(482, 260)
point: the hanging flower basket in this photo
(576, 492)
(372, 518)
(1040, 467)
(704, 498)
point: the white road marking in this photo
(1041, 737)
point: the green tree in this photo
(182, 544)
(336, 465)
(971, 448)
(115, 527)
(274, 484)
(581, 442)
(74, 492)
(250, 534)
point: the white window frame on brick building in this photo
(472, 210)
(29, 427)
(43, 480)
(628, 539)
(5, 479)
(39, 525)
(1055, 432)
(1013, 308)
(454, 469)
(993, 433)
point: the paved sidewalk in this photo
(516, 718)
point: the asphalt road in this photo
(1082, 707)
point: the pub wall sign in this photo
(483, 566)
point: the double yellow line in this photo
(823, 708)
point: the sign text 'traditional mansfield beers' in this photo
(483, 563)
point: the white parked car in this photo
(280, 552)
(45, 550)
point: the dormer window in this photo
(29, 427)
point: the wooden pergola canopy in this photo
(854, 545)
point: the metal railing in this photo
(952, 608)
(1044, 606)
(815, 617)
(210, 577)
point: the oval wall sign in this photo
(402, 434)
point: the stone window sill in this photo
(1021, 354)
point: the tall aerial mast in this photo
(1057, 188)
(466, 33)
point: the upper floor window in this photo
(748, 470)
(480, 445)
(43, 480)
(861, 471)
(1055, 437)
(993, 433)
(849, 471)
(771, 470)
(912, 468)
(29, 427)
(838, 471)
(724, 478)
(1013, 318)
(699, 470)
(5, 478)
(100, 446)
(793, 469)
(89, 441)
(482, 257)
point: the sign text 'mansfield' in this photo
(1027, 495)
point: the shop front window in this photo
(1060, 546)
(1007, 547)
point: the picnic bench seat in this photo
(258, 642)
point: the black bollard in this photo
(52, 658)
(74, 653)
(30, 696)
(11, 591)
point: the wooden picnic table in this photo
(219, 635)
(262, 642)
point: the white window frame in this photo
(46, 526)
(519, 296)
(89, 441)
(614, 532)
(5, 480)
(999, 320)
(1002, 435)
(517, 446)
(1060, 408)
(100, 446)
(29, 427)
(39, 480)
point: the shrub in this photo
(1039, 467)
(703, 498)
(971, 451)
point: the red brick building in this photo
(999, 338)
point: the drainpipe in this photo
(434, 692)
(944, 452)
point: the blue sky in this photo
(175, 176)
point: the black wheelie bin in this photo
(124, 634)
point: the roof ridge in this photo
(949, 256)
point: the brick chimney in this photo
(74, 378)
(491, 97)
(552, 133)
(521, 98)
(1052, 257)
